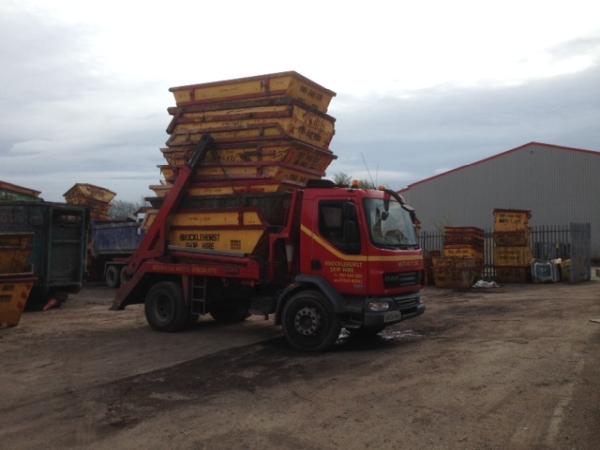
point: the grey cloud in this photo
(438, 128)
(41, 59)
(64, 118)
(575, 47)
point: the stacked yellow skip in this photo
(96, 198)
(16, 276)
(271, 135)
(512, 252)
(462, 263)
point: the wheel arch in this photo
(309, 282)
(138, 295)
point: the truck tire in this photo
(111, 276)
(123, 275)
(309, 322)
(165, 309)
(230, 312)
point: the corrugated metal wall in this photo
(559, 186)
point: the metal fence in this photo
(546, 242)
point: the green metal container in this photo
(59, 244)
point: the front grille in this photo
(401, 279)
(405, 304)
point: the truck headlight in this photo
(378, 306)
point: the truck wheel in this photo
(309, 322)
(230, 312)
(165, 309)
(111, 277)
(123, 275)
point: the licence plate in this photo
(391, 316)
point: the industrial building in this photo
(558, 184)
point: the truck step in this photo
(198, 295)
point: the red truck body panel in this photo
(351, 274)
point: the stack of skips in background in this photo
(96, 198)
(462, 263)
(271, 135)
(428, 257)
(512, 252)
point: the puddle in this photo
(344, 334)
(396, 335)
(388, 335)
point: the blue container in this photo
(115, 238)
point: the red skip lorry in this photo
(328, 257)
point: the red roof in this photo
(5, 185)
(499, 155)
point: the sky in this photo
(422, 87)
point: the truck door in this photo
(336, 247)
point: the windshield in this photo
(393, 229)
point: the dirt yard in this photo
(516, 367)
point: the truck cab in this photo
(359, 253)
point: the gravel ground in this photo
(516, 367)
